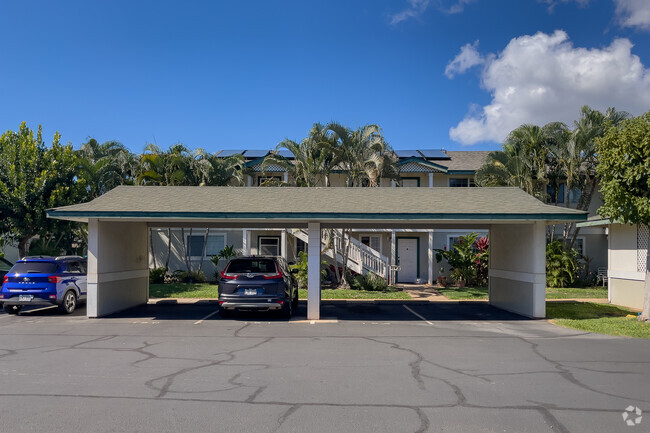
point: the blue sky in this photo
(455, 74)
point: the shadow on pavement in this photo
(341, 310)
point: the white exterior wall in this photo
(518, 268)
(626, 284)
(118, 271)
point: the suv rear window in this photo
(254, 266)
(34, 268)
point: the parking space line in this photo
(198, 322)
(417, 315)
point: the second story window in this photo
(464, 182)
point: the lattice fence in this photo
(642, 239)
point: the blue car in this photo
(45, 280)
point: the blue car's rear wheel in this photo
(69, 302)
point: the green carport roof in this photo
(318, 204)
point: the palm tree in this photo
(100, 166)
(215, 170)
(313, 158)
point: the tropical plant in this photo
(157, 275)
(467, 259)
(562, 266)
(313, 158)
(624, 170)
(228, 252)
(371, 283)
(104, 166)
(302, 270)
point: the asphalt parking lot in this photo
(367, 367)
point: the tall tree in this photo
(313, 158)
(34, 178)
(624, 170)
(103, 166)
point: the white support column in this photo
(393, 253)
(313, 271)
(118, 268)
(244, 242)
(430, 180)
(430, 256)
(518, 268)
(286, 177)
(283, 243)
(249, 180)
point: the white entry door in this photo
(407, 259)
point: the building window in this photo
(268, 245)
(579, 246)
(194, 245)
(301, 246)
(373, 242)
(262, 179)
(455, 183)
(574, 195)
(451, 241)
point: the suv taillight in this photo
(277, 276)
(228, 277)
(5, 279)
(53, 279)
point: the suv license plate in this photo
(251, 292)
(25, 298)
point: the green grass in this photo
(464, 292)
(183, 290)
(188, 290)
(597, 318)
(551, 293)
(356, 294)
(596, 292)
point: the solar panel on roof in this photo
(434, 154)
(286, 153)
(230, 152)
(408, 154)
(256, 153)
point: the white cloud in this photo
(416, 8)
(455, 8)
(552, 3)
(543, 78)
(633, 13)
(467, 58)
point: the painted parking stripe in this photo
(198, 322)
(417, 314)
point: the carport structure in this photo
(119, 223)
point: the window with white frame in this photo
(214, 244)
(452, 240)
(579, 245)
(373, 242)
(268, 246)
(461, 182)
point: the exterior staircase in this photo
(361, 259)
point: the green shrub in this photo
(301, 266)
(468, 259)
(157, 275)
(371, 283)
(562, 265)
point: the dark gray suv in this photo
(258, 283)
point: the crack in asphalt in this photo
(566, 374)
